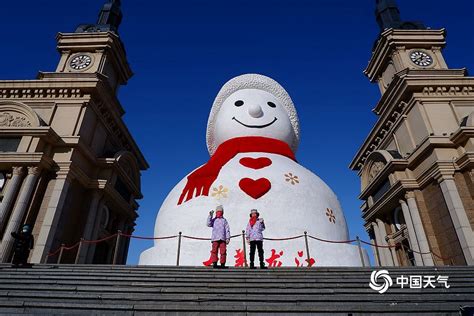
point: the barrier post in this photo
(244, 247)
(117, 245)
(361, 254)
(61, 253)
(308, 257)
(179, 249)
(78, 254)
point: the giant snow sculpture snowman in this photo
(252, 136)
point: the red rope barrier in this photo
(72, 247)
(378, 246)
(238, 235)
(201, 238)
(442, 258)
(280, 239)
(99, 240)
(421, 253)
(195, 238)
(333, 241)
(148, 238)
(433, 253)
(77, 244)
(54, 253)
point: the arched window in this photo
(398, 219)
(104, 217)
(2, 181)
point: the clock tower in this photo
(69, 167)
(403, 46)
(96, 48)
(416, 164)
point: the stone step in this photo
(213, 307)
(231, 297)
(101, 286)
(134, 290)
(137, 269)
(231, 270)
(193, 278)
(221, 275)
(96, 290)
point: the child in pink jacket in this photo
(220, 235)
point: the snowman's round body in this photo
(296, 201)
(257, 112)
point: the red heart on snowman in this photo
(255, 188)
(255, 163)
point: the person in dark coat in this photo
(24, 242)
(254, 236)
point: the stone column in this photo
(10, 195)
(128, 229)
(411, 234)
(380, 256)
(95, 232)
(374, 249)
(419, 230)
(380, 240)
(19, 212)
(459, 218)
(386, 251)
(122, 226)
(393, 251)
(51, 218)
(89, 228)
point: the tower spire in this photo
(109, 19)
(388, 16)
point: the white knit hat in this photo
(252, 81)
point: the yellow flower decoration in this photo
(291, 178)
(219, 192)
(331, 216)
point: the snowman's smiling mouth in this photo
(255, 126)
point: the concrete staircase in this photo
(146, 290)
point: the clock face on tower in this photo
(421, 58)
(80, 62)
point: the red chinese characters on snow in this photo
(273, 259)
(239, 258)
(310, 262)
(207, 263)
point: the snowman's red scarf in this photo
(200, 181)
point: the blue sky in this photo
(183, 51)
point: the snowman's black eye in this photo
(239, 103)
(271, 104)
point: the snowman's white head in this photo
(252, 105)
